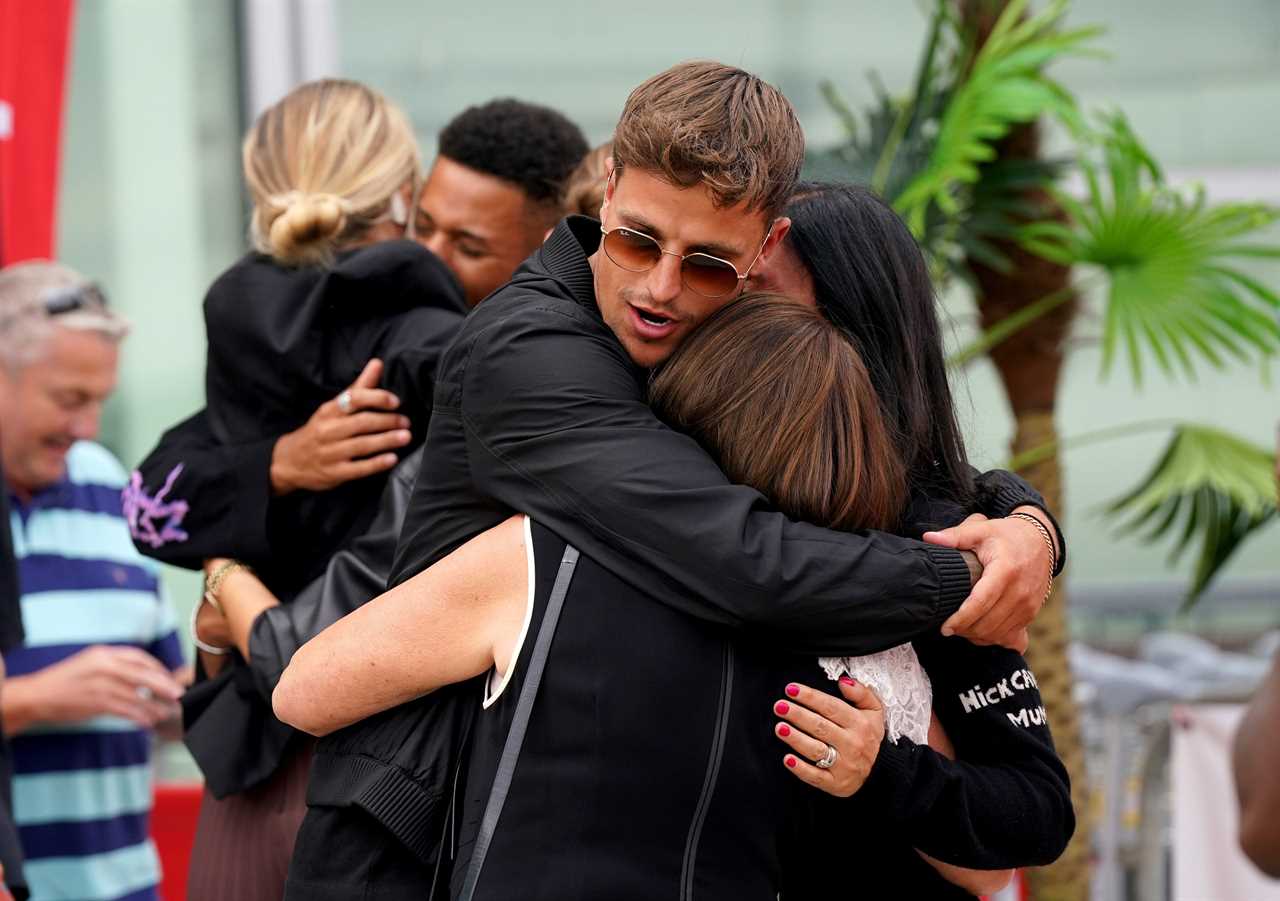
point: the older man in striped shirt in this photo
(95, 672)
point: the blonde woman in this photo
(322, 345)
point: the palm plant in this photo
(959, 158)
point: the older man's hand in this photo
(1016, 564)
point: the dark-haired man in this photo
(489, 200)
(495, 189)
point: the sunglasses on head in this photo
(72, 298)
(701, 273)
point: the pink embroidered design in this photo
(143, 512)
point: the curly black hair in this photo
(531, 146)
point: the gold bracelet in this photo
(214, 582)
(1048, 542)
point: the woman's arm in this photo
(814, 719)
(1006, 801)
(978, 882)
(447, 624)
(194, 498)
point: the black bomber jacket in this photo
(539, 410)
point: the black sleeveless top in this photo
(649, 768)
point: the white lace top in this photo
(901, 683)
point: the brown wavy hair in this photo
(782, 399)
(707, 123)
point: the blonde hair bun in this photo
(322, 166)
(305, 224)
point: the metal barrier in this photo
(1127, 706)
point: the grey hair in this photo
(25, 323)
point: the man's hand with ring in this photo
(353, 436)
(824, 729)
(109, 680)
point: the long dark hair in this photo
(778, 394)
(871, 280)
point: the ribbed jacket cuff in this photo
(953, 578)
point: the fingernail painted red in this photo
(781, 707)
(793, 689)
(791, 761)
(847, 681)
(784, 730)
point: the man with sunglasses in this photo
(97, 670)
(540, 408)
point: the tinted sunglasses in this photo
(701, 273)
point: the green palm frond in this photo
(1004, 87)
(1209, 487)
(858, 157)
(1000, 204)
(1169, 258)
(890, 144)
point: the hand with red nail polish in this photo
(815, 721)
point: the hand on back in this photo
(813, 721)
(350, 437)
(1016, 565)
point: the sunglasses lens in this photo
(709, 276)
(632, 251)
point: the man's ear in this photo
(610, 183)
(781, 226)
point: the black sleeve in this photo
(192, 498)
(11, 631)
(11, 635)
(352, 577)
(998, 493)
(1006, 800)
(557, 426)
(410, 351)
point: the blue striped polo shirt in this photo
(82, 791)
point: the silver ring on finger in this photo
(829, 759)
(344, 401)
(144, 694)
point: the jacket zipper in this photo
(689, 866)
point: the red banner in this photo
(34, 37)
